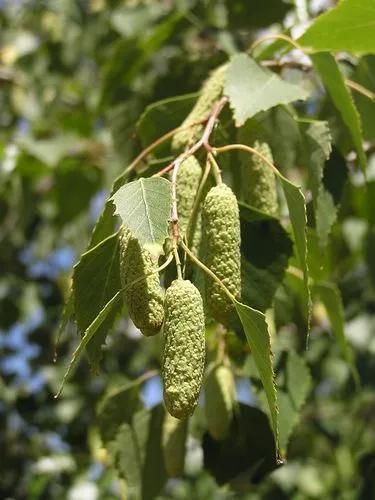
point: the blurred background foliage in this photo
(75, 76)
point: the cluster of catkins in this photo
(181, 312)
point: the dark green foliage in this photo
(85, 86)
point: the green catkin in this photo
(145, 300)
(210, 93)
(222, 240)
(174, 445)
(259, 182)
(220, 397)
(184, 348)
(188, 178)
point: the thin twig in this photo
(177, 259)
(361, 89)
(194, 212)
(279, 36)
(216, 110)
(216, 169)
(157, 143)
(208, 271)
(203, 141)
(243, 147)
(287, 64)
(176, 165)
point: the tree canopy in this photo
(101, 104)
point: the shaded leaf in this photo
(298, 385)
(125, 455)
(88, 335)
(364, 75)
(243, 14)
(288, 419)
(148, 426)
(144, 206)
(251, 88)
(247, 454)
(298, 379)
(330, 295)
(163, 116)
(96, 280)
(258, 337)
(317, 149)
(280, 130)
(333, 80)
(116, 408)
(265, 248)
(297, 213)
(137, 450)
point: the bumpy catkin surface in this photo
(188, 178)
(220, 399)
(222, 240)
(258, 181)
(210, 93)
(145, 299)
(184, 348)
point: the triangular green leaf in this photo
(251, 88)
(350, 26)
(258, 337)
(144, 206)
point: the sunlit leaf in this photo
(252, 88)
(145, 207)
